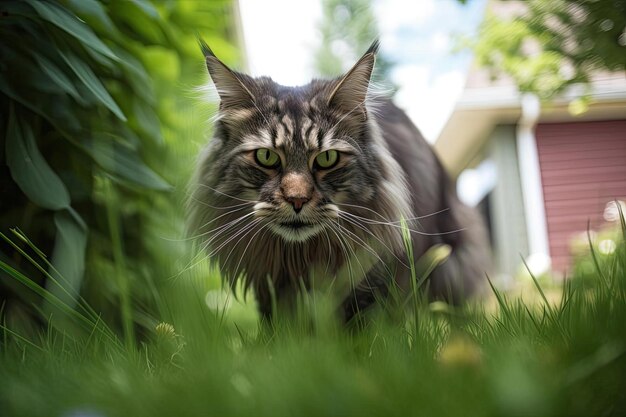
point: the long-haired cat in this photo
(307, 185)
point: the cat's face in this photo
(301, 154)
(299, 162)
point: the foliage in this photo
(554, 43)
(100, 134)
(551, 358)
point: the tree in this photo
(554, 43)
(347, 29)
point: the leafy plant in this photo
(95, 109)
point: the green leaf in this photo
(56, 75)
(148, 121)
(141, 18)
(124, 163)
(30, 170)
(68, 256)
(92, 82)
(51, 108)
(126, 138)
(147, 8)
(61, 18)
(140, 81)
(94, 14)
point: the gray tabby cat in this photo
(307, 185)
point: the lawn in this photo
(208, 355)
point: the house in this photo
(546, 172)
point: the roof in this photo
(483, 105)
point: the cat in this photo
(307, 185)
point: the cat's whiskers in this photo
(393, 224)
(363, 208)
(234, 236)
(241, 233)
(330, 250)
(344, 249)
(323, 222)
(350, 253)
(369, 249)
(361, 242)
(395, 221)
(236, 244)
(224, 194)
(218, 231)
(208, 232)
(355, 222)
(243, 254)
(200, 255)
(223, 207)
(195, 237)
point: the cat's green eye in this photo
(327, 159)
(267, 158)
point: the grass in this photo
(545, 358)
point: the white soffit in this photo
(480, 109)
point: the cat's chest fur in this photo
(332, 263)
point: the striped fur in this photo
(245, 215)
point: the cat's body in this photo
(307, 185)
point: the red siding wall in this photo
(583, 166)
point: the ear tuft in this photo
(230, 85)
(373, 49)
(205, 48)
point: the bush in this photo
(100, 130)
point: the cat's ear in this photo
(350, 92)
(230, 85)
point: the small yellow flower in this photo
(165, 330)
(460, 351)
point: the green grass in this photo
(541, 358)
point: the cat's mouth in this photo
(296, 230)
(296, 225)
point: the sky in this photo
(418, 36)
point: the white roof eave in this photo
(480, 109)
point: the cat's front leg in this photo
(278, 296)
(374, 287)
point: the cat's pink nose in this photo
(297, 202)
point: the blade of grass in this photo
(593, 255)
(501, 302)
(119, 261)
(530, 316)
(536, 283)
(551, 312)
(408, 246)
(20, 337)
(622, 219)
(24, 280)
(87, 309)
